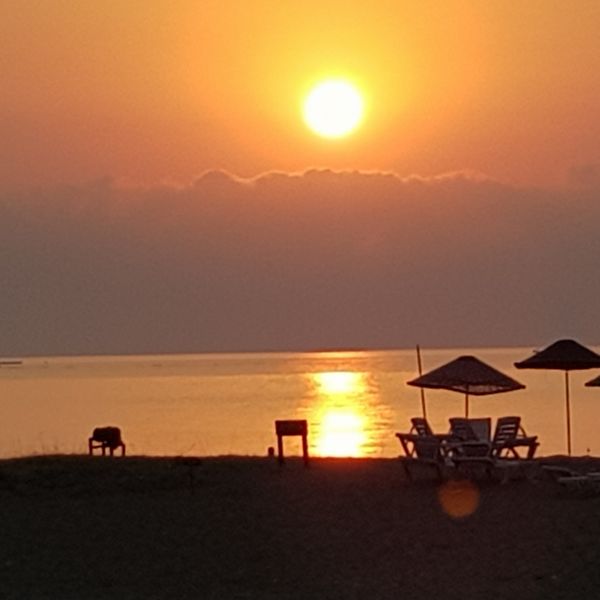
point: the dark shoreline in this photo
(241, 527)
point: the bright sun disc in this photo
(333, 109)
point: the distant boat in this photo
(10, 363)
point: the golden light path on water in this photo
(343, 414)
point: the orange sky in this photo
(153, 90)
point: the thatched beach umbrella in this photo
(563, 355)
(593, 382)
(468, 375)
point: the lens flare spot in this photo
(458, 499)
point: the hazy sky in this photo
(159, 190)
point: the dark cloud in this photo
(320, 259)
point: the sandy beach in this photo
(80, 527)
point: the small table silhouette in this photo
(290, 428)
(106, 438)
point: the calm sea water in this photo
(214, 404)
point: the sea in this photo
(226, 404)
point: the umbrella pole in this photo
(568, 401)
(420, 366)
(467, 405)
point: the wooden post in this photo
(420, 366)
(305, 449)
(568, 407)
(280, 448)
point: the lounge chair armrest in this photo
(522, 433)
(471, 448)
(529, 442)
(407, 442)
(519, 441)
(421, 446)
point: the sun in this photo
(333, 108)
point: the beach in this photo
(236, 527)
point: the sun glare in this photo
(342, 433)
(333, 109)
(342, 425)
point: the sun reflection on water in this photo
(342, 414)
(342, 433)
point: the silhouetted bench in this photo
(297, 427)
(106, 438)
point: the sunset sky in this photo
(160, 190)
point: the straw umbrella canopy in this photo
(563, 355)
(467, 375)
(593, 382)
